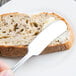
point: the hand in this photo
(5, 70)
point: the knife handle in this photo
(21, 62)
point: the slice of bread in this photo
(18, 30)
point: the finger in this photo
(6, 73)
(3, 66)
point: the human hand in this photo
(5, 70)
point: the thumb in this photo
(6, 73)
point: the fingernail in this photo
(7, 73)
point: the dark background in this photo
(3, 2)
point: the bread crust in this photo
(17, 51)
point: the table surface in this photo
(55, 64)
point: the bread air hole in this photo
(27, 21)
(4, 37)
(34, 24)
(36, 33)
(3, 31)
(16, 27)
(21, 30)
(11, 16)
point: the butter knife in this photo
(51, 32)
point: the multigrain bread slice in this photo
(18, 30)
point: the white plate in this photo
(55, 64)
